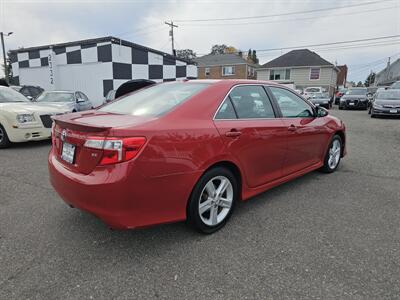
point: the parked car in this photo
(22, 120)
(29, 91)
(395, 85)
(354, 98)
(189, 151)
(308, 92)
(321, 99)
(386, 103)
(339, 95)
(67, 100)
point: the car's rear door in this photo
(306, 135)
(248, 125)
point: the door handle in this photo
(292, 128)
(233, 133)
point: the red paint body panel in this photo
(154, 187)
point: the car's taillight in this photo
(116, 150)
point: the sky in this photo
(36, 23)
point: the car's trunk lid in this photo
(73, 130)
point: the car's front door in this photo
(307, 135)
(253, 135)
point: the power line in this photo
(325, 44)
(289, 20)
(333, 43)
(282, 14)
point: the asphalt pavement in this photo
(320, 236)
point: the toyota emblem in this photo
(63, 135)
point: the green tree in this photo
(187, 54)
(370, 79)
(218, 49)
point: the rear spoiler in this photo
(70, 124)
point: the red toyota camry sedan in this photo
(189, 151)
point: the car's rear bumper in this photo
(121, 197)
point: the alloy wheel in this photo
(216, 200)
(334, 154)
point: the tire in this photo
(329, 165)
(340, 107)
(4, 141)
(372, 115)
(209, 214)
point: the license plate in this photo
(393, 111)
(351, 103)
(68, 152)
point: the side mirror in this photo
(80, 100)
(321, 111)
(30, 98)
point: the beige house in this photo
(225, 66)
(302, 67)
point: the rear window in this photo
(155, 100)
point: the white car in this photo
(308, 92)
(23, 121)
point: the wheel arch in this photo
(342, 136)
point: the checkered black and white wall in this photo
(95, 68)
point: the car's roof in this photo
(231, 81)
(61, 92)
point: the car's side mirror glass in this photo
(321, 111)
(79, 100)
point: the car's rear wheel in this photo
(212, 200)
(4, 141)
(333, 155)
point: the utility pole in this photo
(171, 34)
(4, 55)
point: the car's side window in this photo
(226, 111)
(84, 97)
(291, 105)
(251, 102)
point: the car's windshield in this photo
(313, 90)
(154, 100)
(320, 95)
(395, 85)
(388, 95)
(55, 97)
(9, 95)
(357, 92)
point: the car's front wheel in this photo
(4, 141)
(212, 200)
(333, 155)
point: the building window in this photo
(227, 71)
(207, 71)
(314, 73)
(279, 74)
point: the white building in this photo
(95, 66)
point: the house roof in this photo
(221, 59)
(298, 58)
(111, 39)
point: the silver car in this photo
(321, 99)
(69, 100)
